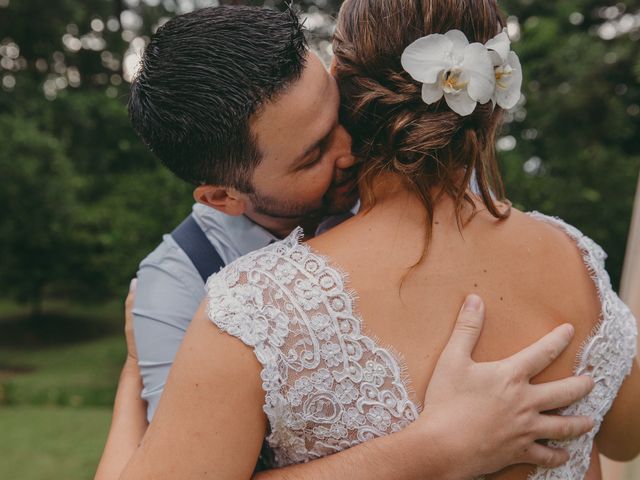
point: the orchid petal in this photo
(477, 67)
(431, 92)
(496, 60)
(460, 102)
(459, 42)
(509, 96)
(501, 45)
(425, 58)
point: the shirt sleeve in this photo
(168, 294)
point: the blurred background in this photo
(83, 201)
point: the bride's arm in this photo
(128, 423)
(209, 422)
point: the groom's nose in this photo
(345, 158)
(345, 161)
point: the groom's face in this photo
(307, 168)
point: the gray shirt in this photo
(170, 291)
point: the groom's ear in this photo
(226, 200)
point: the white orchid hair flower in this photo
(464, 73)
(499, 48)
(508, 71)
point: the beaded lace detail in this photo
(328, 386)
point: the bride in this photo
(311, 328)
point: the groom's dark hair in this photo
(202, 77)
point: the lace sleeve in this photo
(607, 355)
(238, 308)
(328, 386)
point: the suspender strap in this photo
(190, 237)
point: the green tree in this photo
(38, 197)
(572, 148)
(61, 67)
(64, 65)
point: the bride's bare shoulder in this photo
(552, 262)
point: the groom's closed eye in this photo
(312, 158)
(314, 154)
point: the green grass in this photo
(70, 356)
(106, 311)
(66, 375)
(44, 443)
(58, 376)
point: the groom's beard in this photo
(265, 205)
(341, 197)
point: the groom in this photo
(231, 100)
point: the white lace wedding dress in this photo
(328, 386)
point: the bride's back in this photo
(329, 372)
(530, 274)
(424, 241)
(408, 258)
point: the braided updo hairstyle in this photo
(393, 129)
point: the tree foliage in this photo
(573, 145)
(85, 200)
(40, 196)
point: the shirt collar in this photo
(245, 235)
(239, 231)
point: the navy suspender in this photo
(190, 237)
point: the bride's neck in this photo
(391, 193)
